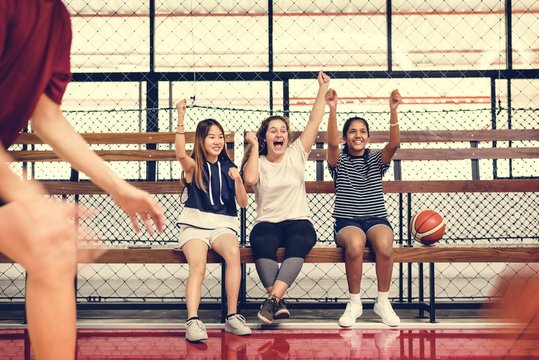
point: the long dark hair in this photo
(261, 137)
(345, 128)
(199, 153)
(347, 125)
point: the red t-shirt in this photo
(35, 43)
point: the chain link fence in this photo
(459, 65)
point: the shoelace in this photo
(198, 323)
(348, 310)
(240, 318)
(389, 309)
(275, 304)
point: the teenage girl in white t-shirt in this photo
(277, 173)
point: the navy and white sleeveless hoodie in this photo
(215, 208)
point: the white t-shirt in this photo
(280, 191)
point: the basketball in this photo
(427, 227)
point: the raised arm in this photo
(393, 145)
(187, 163)
(308, 136)
(241, 194)
(333, 132)
(250, 168)
(53, 128)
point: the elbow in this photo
(181, 155)
(249, 181)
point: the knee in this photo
(232, 256)
(354, 250)
(58, 263)
(299, 247)
(197, 270)
(385, 253)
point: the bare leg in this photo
(227, 246)
(51, 311)
(37, 234)
(381, 238)
(279, 289)
(196, 252)
(352, 240)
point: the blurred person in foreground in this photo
(516, 301)
(35, 42)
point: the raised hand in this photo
(181, 106)
(234, 174)
(395, 99)
(251, 138)
(331, 98)
(323, 79)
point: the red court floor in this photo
(291, 344)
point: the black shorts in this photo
(364, 223)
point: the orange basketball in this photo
(427, 227)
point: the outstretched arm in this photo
(241, 194)
(308, 136)
(250, 169)
(393, 145)
(187, 163)
(333, 133)
(52, 127)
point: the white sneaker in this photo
(352, 312)
(195, 330)
(385, 311)
(236, 325)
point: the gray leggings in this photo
(296, 236)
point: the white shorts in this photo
(188, 233)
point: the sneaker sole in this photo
(235, 333)
(347, 326)
(196, 340)
(261, 317)
(281, 315)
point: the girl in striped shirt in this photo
(359, 209)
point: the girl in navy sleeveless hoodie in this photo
(209, 219)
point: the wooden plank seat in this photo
(416, 254)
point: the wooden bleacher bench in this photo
(323, 254)
(403, 254)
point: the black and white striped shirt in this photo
(358, 185)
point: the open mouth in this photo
(278, 144)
